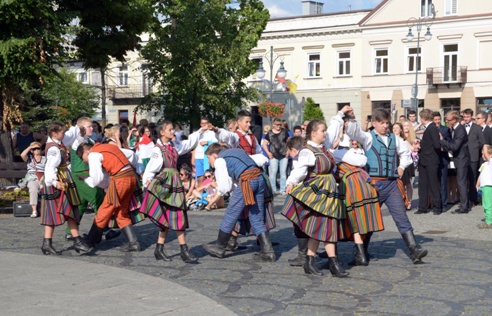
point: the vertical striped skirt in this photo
(164, 201)
(59, 205)
(243, 226)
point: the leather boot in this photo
(336, 268)
(80, 245)
(186, 255)
(367, 240)
(95, 235)
(266, 253)
(48, 249)
(416, 252)
(310, 266)
(232, 244)
(112, 234)
(159, 253)
(360, 258)
(219, 247)
(301, 253)
(132, 244)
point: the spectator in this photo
(35, 171)
(25, 137)
(97, 135)
(304, 126)
(132, 138)
(482, 118)
(207, 137)
(484, 182)
(443, 161)
(355, 148)
(189, 184)
(402, 118)
(297, 130)
(277, 139)
(409, 172)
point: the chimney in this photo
(311, 7)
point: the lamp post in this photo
(418, 23)
(271, 58)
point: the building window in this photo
(314, 65)
(426, 8)
(484, 104)
(83, 77)
(450, 62)
(381, 104)
(341, 105)
(123, 76)
(122, 116)
(451, 7)
(381, 61)
(412, 60)
(147, 83)
(343, 63)
(450, 105)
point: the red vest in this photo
(113, 158)
(244, 144)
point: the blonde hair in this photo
(488, 149)
(83, 120)
(35, 144)
(411, 132)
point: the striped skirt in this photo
(243, 226)
(164, 201)
(59, 205)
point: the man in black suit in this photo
(475, 144)
(430, 149)
(443, 160)
(481, 119)
(461, 157)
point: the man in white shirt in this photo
(207, 137)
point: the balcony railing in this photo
(133, 91)
(447, 75)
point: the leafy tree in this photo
(199, 55)
(62, 97)
(105, 30)
(311, 111)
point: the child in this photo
(484, 183)
(189, 184)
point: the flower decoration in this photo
(271, 109)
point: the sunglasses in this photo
(207, 177)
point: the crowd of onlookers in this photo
(459, 159)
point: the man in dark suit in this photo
(461, 157)
(475, 144)
(443, 160)
(481, 119)
(430, 149)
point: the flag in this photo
(134, 119)
(292, 86)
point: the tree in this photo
(105, 30)
(312, 111)
(62, 97)
(199, 55)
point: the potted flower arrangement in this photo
(271, 109)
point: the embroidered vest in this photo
(169, 155)
(325, 162)
(382, 160)
(237, 161)
(250, 149)
(113, 158)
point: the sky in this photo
(285, 8)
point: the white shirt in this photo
(71, 135)
(467, 127)
(208, 136)
(53, 160)
(232, 139)
(225, 183)
(486, 174)
(156, 160)
(365, 138)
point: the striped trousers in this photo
(390, 195)
(256, 211)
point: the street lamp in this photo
(271, 58)
(422, 21)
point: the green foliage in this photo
(311, 111)
(199, 53)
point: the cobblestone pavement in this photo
(455, 279)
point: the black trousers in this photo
(462, 180)
(429, 183)
(472, 181)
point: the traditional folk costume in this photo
(58, 206)
(385, 154)
(248, 142)
(234, 165)
(164, 201)
(108, 161)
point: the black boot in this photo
(80, 245)
(336, 268)
(310, 266)
(360, 256)
(132, 244)
(112, 234)
(301, 253)
(219, 247)
(266, 253)
(367, 240)
(159, 253)
(232, 244)
(186, 255)
(95, 235)
(416, 252)
(48, 249)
